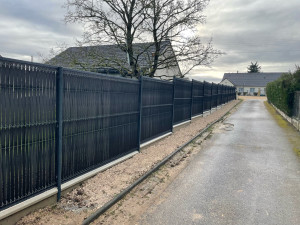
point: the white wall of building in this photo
(248, 90)
(226, 82)
(251, 90)
(167, 73)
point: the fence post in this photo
(192, 90)
(58, 132)
(140, 113)
(173, 103)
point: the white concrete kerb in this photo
(36, 199)
(155, 139)
(292, 121)
(178, 125)
(27, 203)
(200, 115)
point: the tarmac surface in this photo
(247, 173)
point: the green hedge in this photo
(281, 91)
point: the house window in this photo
(252, 90)
(241, 89)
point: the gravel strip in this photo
(264, 98)
(98, 190)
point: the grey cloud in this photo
(205, 78)
(46, 14)
(249, 30)
(29, 27)
(264, 31)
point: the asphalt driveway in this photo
(247, 173)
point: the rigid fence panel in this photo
(224, 97)
(214, 97)
(27, 129)
(220, 88)
(157, 108)
(100, 120)
(182, 100)
(207, 96)
(233, 93)
(198, 95)
(228, 93)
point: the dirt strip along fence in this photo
(57, 123)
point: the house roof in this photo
(93, 58)
(251, 79)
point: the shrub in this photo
(281, 91)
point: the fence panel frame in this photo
(26, 134)
(146, 107)
(178, 99)
(196, 95)
(59, 129)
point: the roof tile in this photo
(251, 79)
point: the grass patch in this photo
(292, 134)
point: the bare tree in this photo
(110, 21)
(173, 20)
(159, 23)
(54, 51)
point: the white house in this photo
(249, 83)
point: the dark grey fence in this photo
(100, 120)
(220, 89)
(157, 108)
(224, 94)
(207, 96)
(214, 95)
(27, 129)
(182, 100)
(198, 90)
(56, 124)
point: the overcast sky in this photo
(266, 31)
